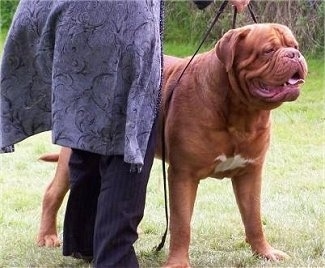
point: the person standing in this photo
(90, 71)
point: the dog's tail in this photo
(50, 157)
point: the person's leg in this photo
(82, 204)
(120, 210)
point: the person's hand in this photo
(239, 4)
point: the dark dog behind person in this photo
(90, 71)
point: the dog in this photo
(217, 124)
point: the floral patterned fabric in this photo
(88, 70)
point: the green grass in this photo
(293, 197)
(3, 34)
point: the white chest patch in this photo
(224, 163)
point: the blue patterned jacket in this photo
(90, 71)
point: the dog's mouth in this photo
(286, 91)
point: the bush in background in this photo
(7, 10)
(186, 24)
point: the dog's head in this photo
(264, 64)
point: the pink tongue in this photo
(293, 81)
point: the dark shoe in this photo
(78, 255)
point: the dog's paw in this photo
(49, 241)
(176, 264)
(273, 254)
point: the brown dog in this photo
(217, 125)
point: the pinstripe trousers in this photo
(105, 206)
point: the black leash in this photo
(234, 18)
(221, 9)
(252, 13)
(168, 99)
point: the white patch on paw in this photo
(230, 163)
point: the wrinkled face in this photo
(264, 63)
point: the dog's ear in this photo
(226, 46)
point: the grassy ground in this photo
(293, 197)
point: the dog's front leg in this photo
(182, 194)
(247, 189)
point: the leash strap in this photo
(221, 9)
(234, 18)
(168, 99)
(236, 12)
(252, 13)
(163, 152)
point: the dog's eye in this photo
(268, 51)
(293, 45)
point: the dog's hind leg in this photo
(52, 200)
